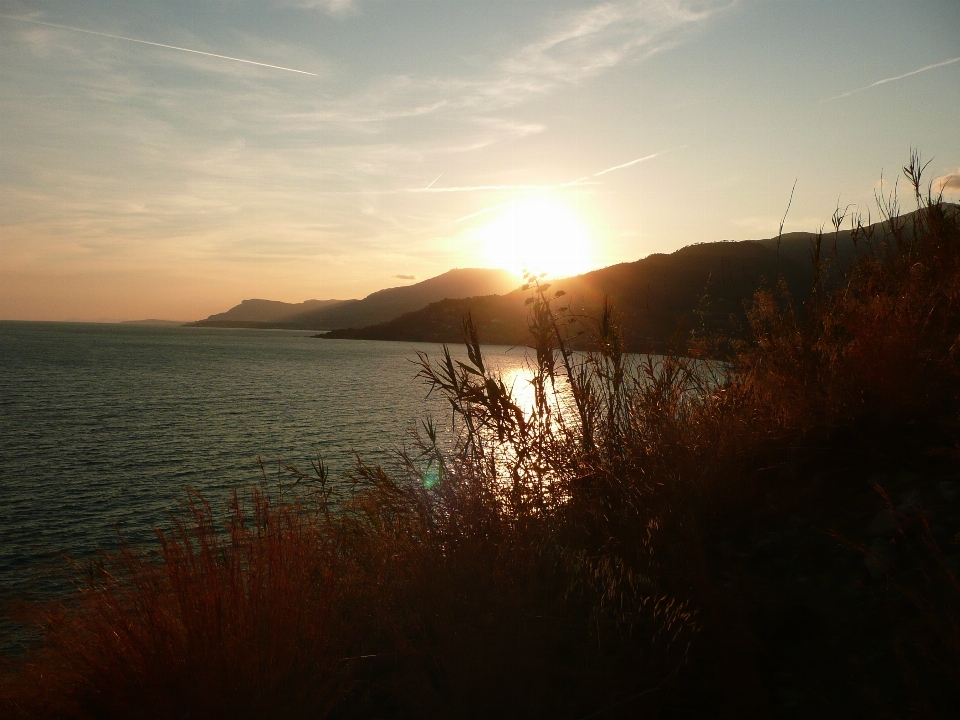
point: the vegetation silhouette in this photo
(766, 525)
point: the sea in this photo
(104, 426)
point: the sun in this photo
(539, 235)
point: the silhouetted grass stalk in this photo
(552, 562)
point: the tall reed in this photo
(559, 559)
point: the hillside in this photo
(377, 307)
(154, 322)
(256, 312)
(653, 297)
(659, 298)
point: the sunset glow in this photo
(170, 164)
(539, 235)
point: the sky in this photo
(169, 159)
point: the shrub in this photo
(557, 560)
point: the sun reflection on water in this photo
(520, 381)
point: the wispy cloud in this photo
(925, 68)
(570, 49)
(586, 42)
(158, 44)
(333, 7)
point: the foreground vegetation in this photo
(766, 528)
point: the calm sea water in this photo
(102, 426)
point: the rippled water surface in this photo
(103, 425)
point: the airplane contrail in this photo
(579, 181)
(479, 188)
(486, 210)
(891, 79)
(626, 164)
(434, 180)
(157, 44)
(616, 167)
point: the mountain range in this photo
(658, 299)
(253, 313)
(654, 298)
(377, 307)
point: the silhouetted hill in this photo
(388, 304)
(651, 296)
(263, 313)
(659, 298)
(377, 307)
(154, 322)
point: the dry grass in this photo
(882, 344)
(238, 621)
(556, 562)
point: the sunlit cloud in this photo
(949, 183)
